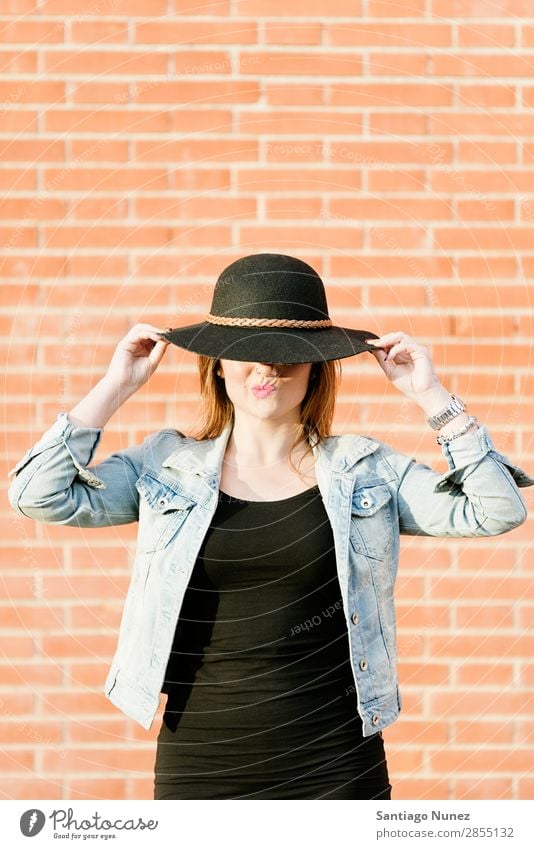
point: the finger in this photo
(157, 353)
(408, 348)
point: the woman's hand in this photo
(406, 363)
(136, 357)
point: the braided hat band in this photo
(268, 322)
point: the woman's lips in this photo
(263, 391)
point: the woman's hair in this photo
(316, 411)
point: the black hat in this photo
(270, 308)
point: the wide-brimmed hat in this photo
(270, 308)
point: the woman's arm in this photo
(479, 495)
(51, 481)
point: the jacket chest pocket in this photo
(371, 527)
(162, 512)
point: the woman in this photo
(261, 600)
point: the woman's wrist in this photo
(434, 400)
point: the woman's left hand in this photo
(408, 364)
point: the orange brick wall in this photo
(144, 145)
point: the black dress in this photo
(261, 699)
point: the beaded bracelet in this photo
(443, 440)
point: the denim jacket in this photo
(169, 484)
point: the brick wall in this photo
(144, 145)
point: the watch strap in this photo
(453, 409)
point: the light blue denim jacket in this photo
(169, 484)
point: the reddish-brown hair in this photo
(316, 411)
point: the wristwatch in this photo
(446, 415)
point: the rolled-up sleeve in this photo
(478, 495)
(53, 484)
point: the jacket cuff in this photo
(80, 442)
(465, 452)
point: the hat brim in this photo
(278, 345)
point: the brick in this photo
(484, 674)
(93, 758)
(397, 64)
(195, 32)
(397, 123)
(293, 151)
(20, 31)
(99, 32)
(301, 94)
(105, 236)
(15, 647)
(494, 65)
(196, 92)
(296, 180)
(377, 266)
(400, 180)
(489, 645)
(100, 788)
(492, 617)
(22, 149)
(208, 206)
(397, 238)
(325, 237)
(488, 760)
(104, 62)
(294, 208)
(384, 94)
(20, 121)
(293, 33)
(386, 34)
(483, 9)
(488, 96)
(210, 7)
(100, 91)
(487, 35)
(33, 619)
(383, 153)
(89, 121)
(399, 209)
(489, 153)
(26, 673)
(392, 9)
(309, 123)
(269, 63)
(201, 62)
(119, 8)
(99, 732)
(483, 788)
(492, 238)
(198, 150)
(481, 181)
(484, 123)
(420, 788)
(494, 210)
(104, 179)
(299, 8)
(21, 179)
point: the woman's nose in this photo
(267, 368)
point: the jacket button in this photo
(355, 618)
(366, 502)
(162, 501)
(363, 665)
(376, 719)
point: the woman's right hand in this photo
(136, 357)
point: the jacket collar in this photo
(205, 457)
